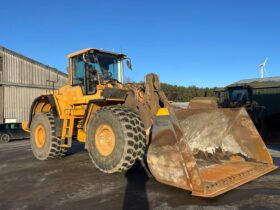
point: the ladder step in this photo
(67, 132)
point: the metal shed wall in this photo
(18, 69)
(18, 101)
(1, 67)
(21, 81)
(1, 104)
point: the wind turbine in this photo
(263, 68)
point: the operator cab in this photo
(91, 67)
(239, 95)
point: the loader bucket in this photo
(206, 151)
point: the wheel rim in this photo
(40, 136)
(105, 139)
(5, 138)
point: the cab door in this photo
(84, 75)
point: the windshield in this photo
(91, 69)
(107, 66)
(239, 95)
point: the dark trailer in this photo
(261, 98)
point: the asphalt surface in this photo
(73, 183)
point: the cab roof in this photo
(95, 50)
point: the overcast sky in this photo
(200, 42)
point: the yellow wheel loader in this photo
(204, 150)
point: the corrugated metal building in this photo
(21, 81)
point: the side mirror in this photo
(128, 63)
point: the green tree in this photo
(181, 93)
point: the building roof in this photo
(32, 61)
(266, 79)
(258, 82)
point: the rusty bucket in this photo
(207, 151)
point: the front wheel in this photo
(115, 138)
(44, 141)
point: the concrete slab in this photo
(73, 183)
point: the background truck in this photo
(261, 98)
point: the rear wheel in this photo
(115, 138)
(4, 138)
(44, 141)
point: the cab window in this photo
(78, 70)
(14, 126)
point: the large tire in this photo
(4, 138)
(128, 137)
(139, 135)
(44, 141)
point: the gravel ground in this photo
(73, 183)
